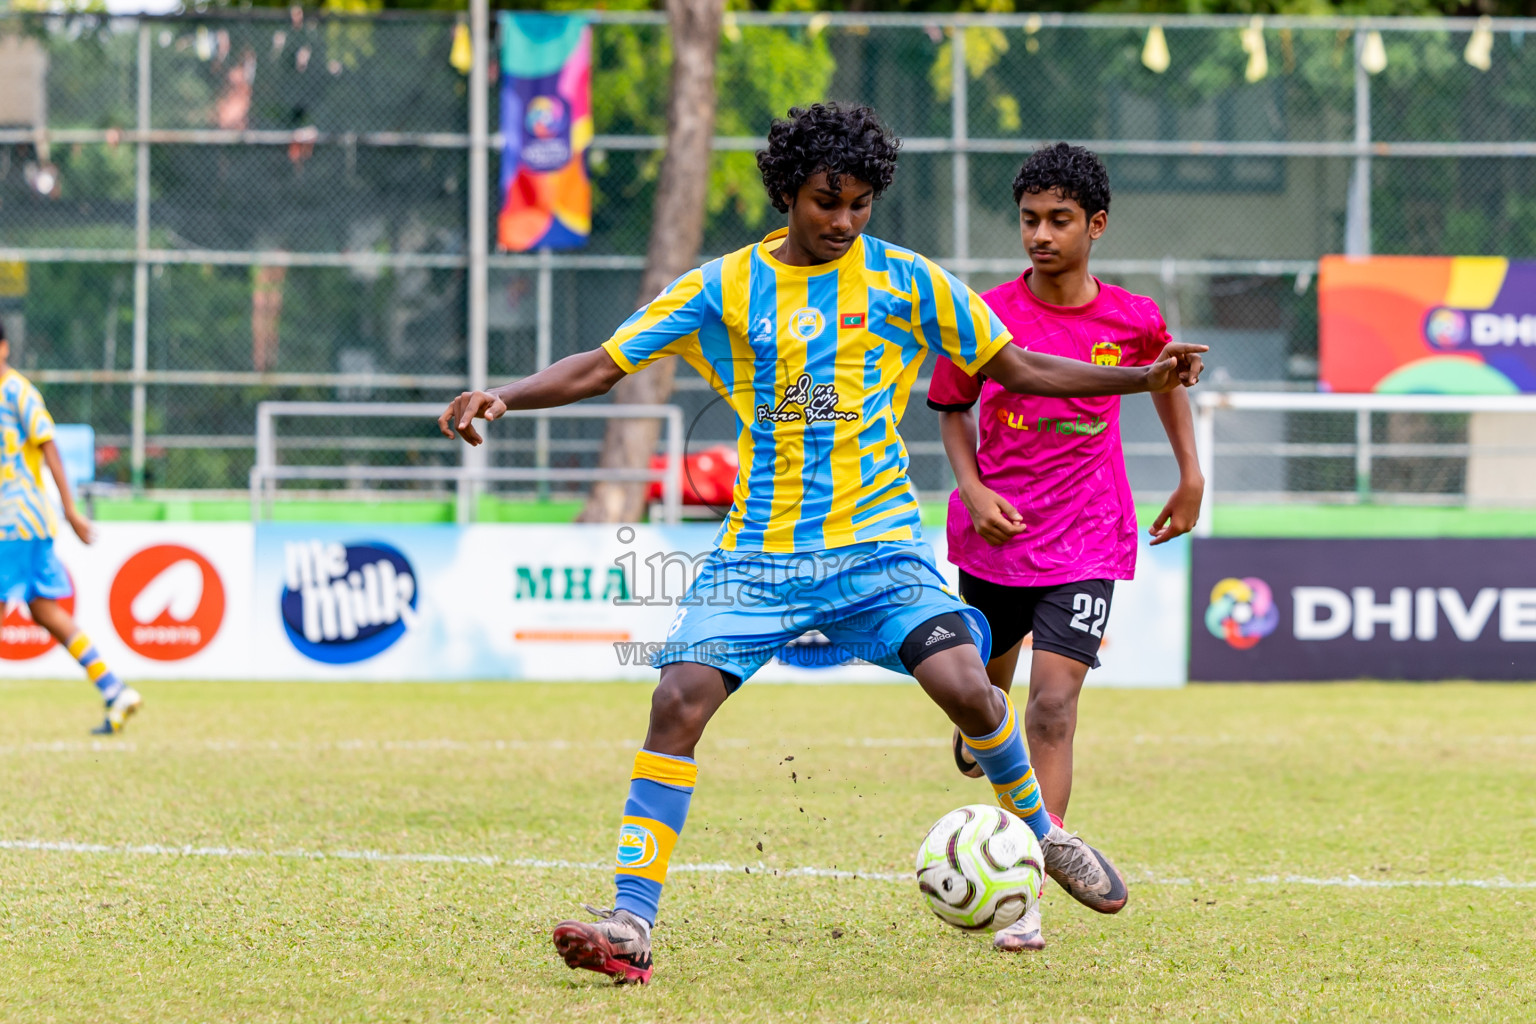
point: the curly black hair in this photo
(1075, 172)
(827, 137)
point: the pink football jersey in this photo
(1058, 460)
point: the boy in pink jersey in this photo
(1042, 522)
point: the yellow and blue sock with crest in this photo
(83, 651)
(1003, 756)
(660, 789)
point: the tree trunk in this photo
(677, 230)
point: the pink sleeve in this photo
(1154, 332)
(951, 389)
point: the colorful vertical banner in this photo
(546, 119)
(1462, 325)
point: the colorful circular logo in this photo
(807, 323)
(545, 117)
(1446, 328)
(637, 847)
(166, 602)
(1242, 611)
(21, 638)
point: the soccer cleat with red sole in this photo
(619, 945)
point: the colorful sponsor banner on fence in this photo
(481, 602)
(159, 600)
(1362, 609)
(396, 603)
(1463, 325)
(546, 119)
(572, 603)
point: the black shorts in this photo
(1066, 618)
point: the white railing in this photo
(1363, 449)
(266, 473)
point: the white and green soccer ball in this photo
(980, 868)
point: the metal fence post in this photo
(1363, 455)
(543, 344)
(140, 268)
(959, 133)
(672, 486)
(1205, 451)
(1357, 217)
(466, 490)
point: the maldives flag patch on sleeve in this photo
(851, 320)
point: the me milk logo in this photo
(345, 603)
(166, 602)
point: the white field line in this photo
(786, 744)
(490, 860)
(230, 746)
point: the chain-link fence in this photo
(214, 210)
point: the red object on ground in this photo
(709, 476)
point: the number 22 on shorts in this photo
(1085, 605)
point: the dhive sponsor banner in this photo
(159, 600)
(1463, 325)
(1425, 609)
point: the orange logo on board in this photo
(167, 602)
(22, 639)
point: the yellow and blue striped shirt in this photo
(25, 512)
(817, 363)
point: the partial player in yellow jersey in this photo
(30, 572)
(814, 336)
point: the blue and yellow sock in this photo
(660, 788)
(1003, 756)
(83, 651)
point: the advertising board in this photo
(159, 600)
(1425, 609)
(426, 602)
(1463, 325)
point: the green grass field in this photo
(175, 873)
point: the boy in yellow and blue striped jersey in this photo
(814, 337)
(30, 571)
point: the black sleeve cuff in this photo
(955, 407)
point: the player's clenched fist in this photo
(461, 413)
(993, 517)
(1179, 363)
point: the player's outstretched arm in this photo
(584, 375)
(82, 526)
(1031, 373)
(1183, 508)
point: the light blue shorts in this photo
(29, 569)
(744, 607)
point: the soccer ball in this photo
(980, 868)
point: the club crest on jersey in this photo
(1106, 353)
(807, 400)
(637, 846)
(807, 323)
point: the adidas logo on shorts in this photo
(939, 633)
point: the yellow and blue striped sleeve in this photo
(33, 417)
(953, 320)
(668, 326)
